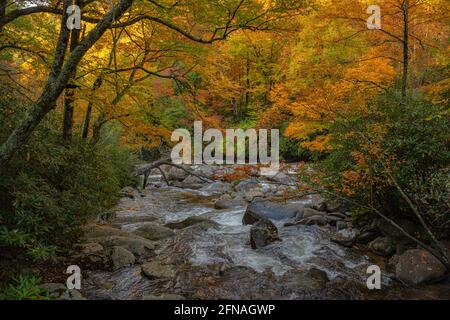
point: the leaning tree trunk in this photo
(56, 83)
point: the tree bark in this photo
(55, 86)
(69, 93)
(405, 11)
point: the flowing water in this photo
(218, 262)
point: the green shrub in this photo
(53, 188)
(404, 139)
(23, 288)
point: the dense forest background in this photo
(79, 108)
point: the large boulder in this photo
(263, 233)
(269, 210)
(417, 266)
(154, 232)
(382, 246)
(121, 257)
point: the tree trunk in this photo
(56, 85)
(96, 130)
(3, 4)
(69, 93)
(405, 10)
(87, 121)
(247, 93)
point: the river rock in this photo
(382, 246)
(132, 243)
(59, 291)
(218, 187)
(155, 270)
(190, 222)
(247, 185)
(121, 257)
(253, 194)
(205, 170)
(97, 231)
(269, 210)
(176, 174)
(418, 266)
(281, 177)
(91, 255)
(227, 202)
(310, 212)
(154, 232)
(263, 233)
(319, 220)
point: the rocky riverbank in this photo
(196, 237)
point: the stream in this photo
(215, 260)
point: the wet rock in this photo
(253, 194)
(269, 210)
(227, 202)
(218, 187)
(166, 297)
(121, 257)
(382, 246)
(309, 212)
(134, 244)
(319, 220)
(154, 232)
(190, 222)
(344, 241)
(247, 185)
(417, 267)
(59, 291)
(155, 270)
(263, 233)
